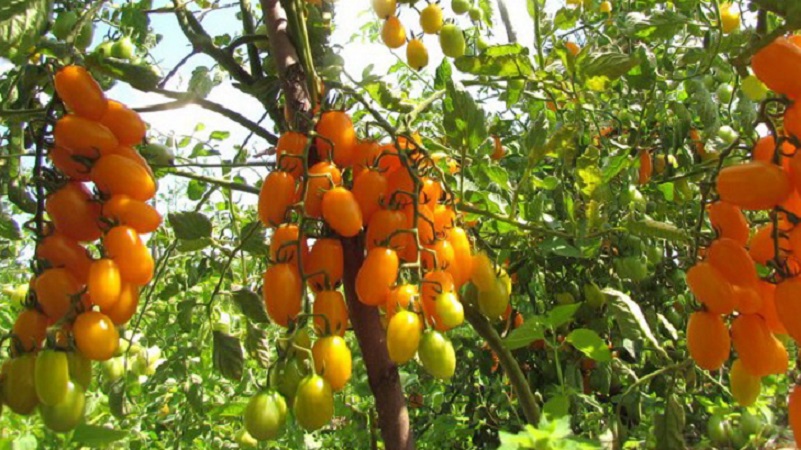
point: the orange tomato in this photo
(124, 122)
(323, 176)
(369, 189)
(708, 340)
(80, 92)
(728, 220)
(289, 150)
(341, 212)
(30, 329)
(115, 174)
(438, 255)
(73, 212)
(462, 264)
(63, 160)
(430, 192)
(123, 245)
(434, 283)
(104, 285)
(324, 266)
(400, 188)
(765, 148)
(365, 155)
(384, 223)
(122, 311)
(711, 288)
(84, 136)
(95, 336)
(405, 296)
(444, 220)
(646, 167)
(330, 313)
(335, 128)
(377, 275)
(751, 339)
(792, 121)
(388, 159)
(138, 215)
(761, 246)
(732, 261)
(753, 185)
(777, 65)
(61, 251)
(275, 197)
(55, 289)
(282, 293)
(498, 150)
(284, 244)
(788, 308)
(767, 291)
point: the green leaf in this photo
(630, 320)
(559, 246)
(589, 343)
(21, 23)
(254, 243)
(251, 305)
(531, 330)
(228, 357)
(257, 344)
(561, 315)
(557, 406)
(9, 228)
(609, 65)
(443, 75)
(116, 399)
(463, 119)
(97, 436)
(501, 60)
(190, 225)
(200, 84)
(669, 427)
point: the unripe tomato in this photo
(369, 189)
(136, 214)
(19, 390)
(244, 440)
(55, 289)
(606, 7)
(405, 296)
(282, 293)
(115, 174)
(451, 39)
(325, 265)
(460, 6)
(113, 369)
(333, 361)
(80, 369)
(341, 212)
(417, 53)
(335, 128)
(384, 8)
(67, 414)
(73, 212)
(450, 312)
(377, 275)
(284, 244)
(51, 376)
(330, 313)
(285, 377)
(95, 335)
(289, 150)
(61, 251)
(483, 272)
(729, 18)
(434, 283)
(265, 415)
(403, 336)
(431, 19)
(80, 92)
(125, 123)
(123, 48)
(754, 89)
(104, 285)
(476, 14)
(492, 302)
(30, 329)
(718, 429)
(437, 355)
(64, 24)
(725, 93)
(393, 33)
(744, 386)
(323, 176)
(314, 403)
(85, 36)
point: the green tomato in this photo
(482, 43)
(493, 301)
(112, 369)
(724, 76)
(314, 403)
(751, 424)
(104, 49)
(632, 268)
(67, 414)
(725, 93)
(451, 39)
(64, 24)
(727, 134)
(85, 36)
(709, 82)
(51, 376)
(123, 48)
(476, 14)
(565, 298)
(285, 377)
(80, 369)
(19, 390)
(593, 295)
(158, 154)
(718, 430)
(460, 6)
(437, 355)
(265, 415)
(754, 89)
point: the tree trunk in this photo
(393, 417)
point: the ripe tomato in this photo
(369, 189)
(416, 54)
(80, 92)
(431, 19)
(732, 261)
(450, 312)
(73, 212)
(377, 275)
(324, 266)
(136, 214)
(284, 244)
(438, 255)
(64, 160)
(776, 64)
(83, 136)
(365, 155)
(131, 154)
(51, 376)
(753, 185)
(785, 300)
(314, 403)
(95, 335)
(388, 160)
(405, 296)
(336, 128)
(403, 336)
(125, 123)
(437, 355)
(393, 32)
(104, 283)
(332, 360)
(400, 188)
(708, 340)
(444, 220)
(322, 177)
(493, 302)
(330, 313)
(61, 251)
(430, 192)
(276, 196)
(282, 293)
(265, 415)
(30, 329)
(80, 369)
(711, 288)
(434, 283)
(19, 390)
(122, 311)
(115, 174)
(289, 150)
(123, 245)
(341, 212)
(462, 263)
(384, 8)
(384, 223)
(67, 414)
(729, 221)
(55, 289)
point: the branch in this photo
(249, 29)
(511, 35)
(234, 186)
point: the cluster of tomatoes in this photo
(451, 37)
(76, 301)
(335, 187)
(727, 281)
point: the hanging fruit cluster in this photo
(432, 21)
(76, 301)
(727, 281)
(328, 188)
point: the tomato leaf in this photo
(561, 315)
(97, 436)
(589, 343)
(190, 225)
(251, 305)
(531, 330)
(507, 61)
(669, 427)
(630, 320)
(116, 399)
(609, 65)
(21, 21)
(9, 228)
(257, 345)
(228, 357)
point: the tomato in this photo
(84, 137)
(289, 150)
(753, 185)
(431, 20)
(450, 312)
(728, 221)
(733, 262)
(69, 163)
(451, 39)
(416, 54)
(19, 390)
(30, 329)
(265, 415)
(282, 293)
(285, 376)
(80, 92)
(776, 65)
(393, 34)
(80, 369)
(400, 188)
(322, 177)
(67, 414)
(462, 263)
(136, 214)
(606, 7)
(384, 8)
(244, 440)
(708, 340)
(435, 283)
(646, 167)
(460, 6)
(369, 189)
(330, 313)
(405, 296)
(444, 220)
(483, 272)
(430, 192)
(95, 335)
(711, 288)
(85, 36)
(335, 128)
(438, 255)
(718, 430)
(123, 245)
(276, 196)
(388, 160)
(54, 290)
(284, 244)
(744, 386)
(754, 89)
(73, 212)
(333, 361)
(403, 336)
(492, 302)
(113, 369)
(787, 307)
(104, 283)
(123, 48)
(124, 123)
(116, 174)
(729, 18)
(476, 14)
(314, 403)
(437, 355)
(61, 251)
(341, 212)
(51, 376)
(324, 266)
(377, 275)
(386, 222)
